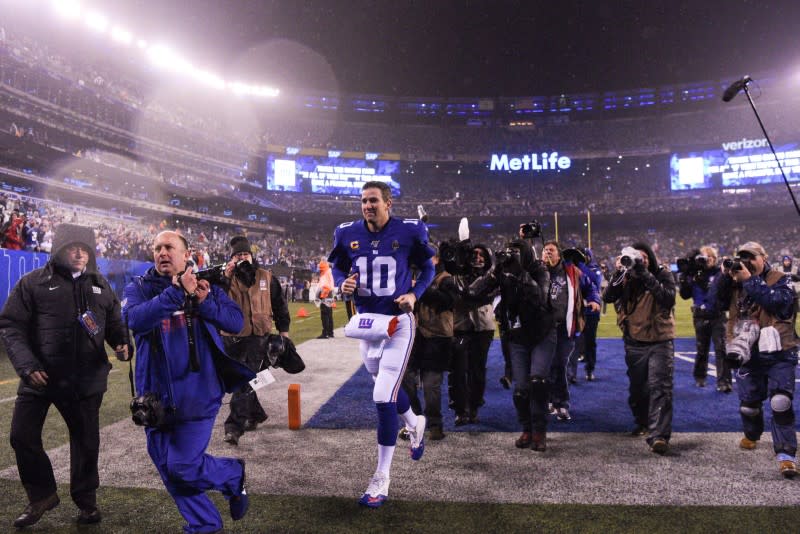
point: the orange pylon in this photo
(294, 406)
(302, 312)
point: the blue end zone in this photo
(599, 406)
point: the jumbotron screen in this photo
(330, 174)
(735, 164)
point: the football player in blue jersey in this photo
(372, 260)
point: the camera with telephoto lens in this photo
(456, 255)
(146, 410)
(531, 230)
(213, 275)
(746, 333)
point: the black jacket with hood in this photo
(39, 323)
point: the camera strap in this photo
(130, 377)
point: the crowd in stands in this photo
(28, 223)
(128, 147)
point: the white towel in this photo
(371, 326)
(769, 340)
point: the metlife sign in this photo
(529, 162)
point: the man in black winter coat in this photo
(54, 325)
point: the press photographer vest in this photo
(431, 323)
(255, 302)
(785, 327)
(647, 322)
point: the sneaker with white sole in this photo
(377, 491)
(417, 438)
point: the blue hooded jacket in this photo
(154, 307)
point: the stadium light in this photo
(165, 58)
(121, 35)
(96, 21)
(68, 9)
(141, 44)
(208, 78)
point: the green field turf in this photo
(143, 510)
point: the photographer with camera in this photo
(586, 344)
(261, 300)
(430, 355)
(696, 273)
(474, 327)
(182, 373)
(643, 294)
(761, 340)
(523, 308)
(566, 292)
(54, 324)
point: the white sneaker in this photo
(377, 491)
(417, 436)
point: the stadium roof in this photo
(481, 48)
(470, 48)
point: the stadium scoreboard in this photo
(740, 163)
(329, 172)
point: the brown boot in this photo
(35, 510)
(524, 441)
(539, 442)
(436, 433)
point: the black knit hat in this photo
(67, 234)
(240, 244)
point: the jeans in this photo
(562, 347)
(706, 331)
(530, 396)
(761, 378)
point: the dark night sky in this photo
(476, 48)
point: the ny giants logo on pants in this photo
(365, 323)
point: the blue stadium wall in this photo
(15, 264)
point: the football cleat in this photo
(377, 491)
(418, 438)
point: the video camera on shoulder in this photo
(456, 255)
(531, 230)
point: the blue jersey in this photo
(383, 262)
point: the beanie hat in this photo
(240, 244)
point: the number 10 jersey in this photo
(383, 261)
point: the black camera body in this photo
(508, 260)
(213, 275)
(147, 410)
(628, 261)
(736, 264)
(456, 255)
(531, 230)
(695, 262)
